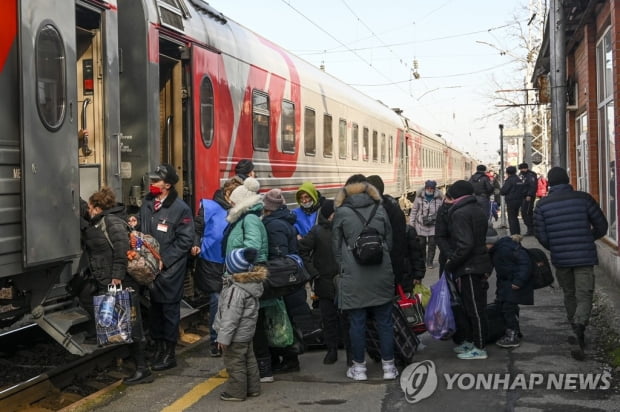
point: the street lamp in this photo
(501, 173)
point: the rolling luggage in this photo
(405, 340)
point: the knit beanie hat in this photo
(244, 167)
(377, 182)
(481, 168)
(241, 260)
(430, 183)
(557, 176)
(492, 236)
(327, 208)
(273, 200)
(248, 189)
(460, 188)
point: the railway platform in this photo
(538, 375)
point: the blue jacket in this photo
(305, 221)
(567, 222)
(214, 225)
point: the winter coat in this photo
(173, 227)
(567, 222)
(542, 188)
(281, 235)
(530, 183)
(398, 222)
(422, 208)
(246, 228)
(416, 260)
(306, 218)
(467, 225)
(316, 250)
(107, 261)
(238, 306)
(442, 234)
(482, 185)
(512, 267)
(361, 286)
(513, 189)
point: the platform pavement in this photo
(192, 386)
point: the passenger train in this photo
(165, 81)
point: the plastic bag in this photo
(118, 330)
(439, 318)
(278, 326)
(423, 292)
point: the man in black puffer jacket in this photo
(469, 264)
(567, 222)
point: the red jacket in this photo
(543, 187)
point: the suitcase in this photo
(405, 340)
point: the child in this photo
(316, 250)
(235, 323)
(512, 267)
(132, 221)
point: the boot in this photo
(142, 373)
(509, 340)
(331, 356)
(579, 354)
(168, 359)
(264, 370)
(159, 352)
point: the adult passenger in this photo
(309, 200)
(512, 190)
(244, 169)
(423, 217)
(364, 289)
(567, 223)
(483, 188)
(168, 219)
(530, 186)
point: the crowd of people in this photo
(239, 230)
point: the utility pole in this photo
(558, 83)
(501, 172)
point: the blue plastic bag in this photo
(438, 317)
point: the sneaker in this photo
(254, 394)
(463, 347)
(509, 340)
(475, 353)
(215, 352)
(357, 372)
(389, 369)
(266, 379)
(226, 397)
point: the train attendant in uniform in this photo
(246, 230)
(309, 200)
(364, 290)
(423, 217)
(106, 244)
(168, 219)
(210, 223)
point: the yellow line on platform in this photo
(197, 392)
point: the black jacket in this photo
(442, 234)
(482, 184)
(513, 189)
(512, 267)
(467, 225)
(530, 183)
(316, 250)
(416, 260)
(281, 233)
(398, 253)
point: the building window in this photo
(342, 138)
(206, 111)
(355, 142)
(287, 131)
(260, 120)
(581, 127)
(328, 141)
(309, 132)
(51, 78)
(607, 146)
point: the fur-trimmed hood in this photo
(350, 193)
(252, 282)
(437, 195)
(252, 203)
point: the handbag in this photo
(143, 258)
(285, 275)
(113, 316)
(439, 318)
(412, 309)
(278, 326)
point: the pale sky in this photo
(465, 50)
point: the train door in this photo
(173, 114)
(50, 186)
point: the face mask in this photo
(429, 192)
(155, 190)
(307, 205)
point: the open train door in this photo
(50, 185)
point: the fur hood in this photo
(355, 189)
(437, 195)
(249, 203)
(257, 275)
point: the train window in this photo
(342, 139)
(309, 132)
(51, 77)
(288, 127)
(375, 146)
(355, 142)
(260, 120)
(391, 149)
(328, 141)
(206, 111)
(382, 147)
(365, 146)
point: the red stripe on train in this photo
(8, 29)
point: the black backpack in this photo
(285, 275)
(368, 247)
(540, 269)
